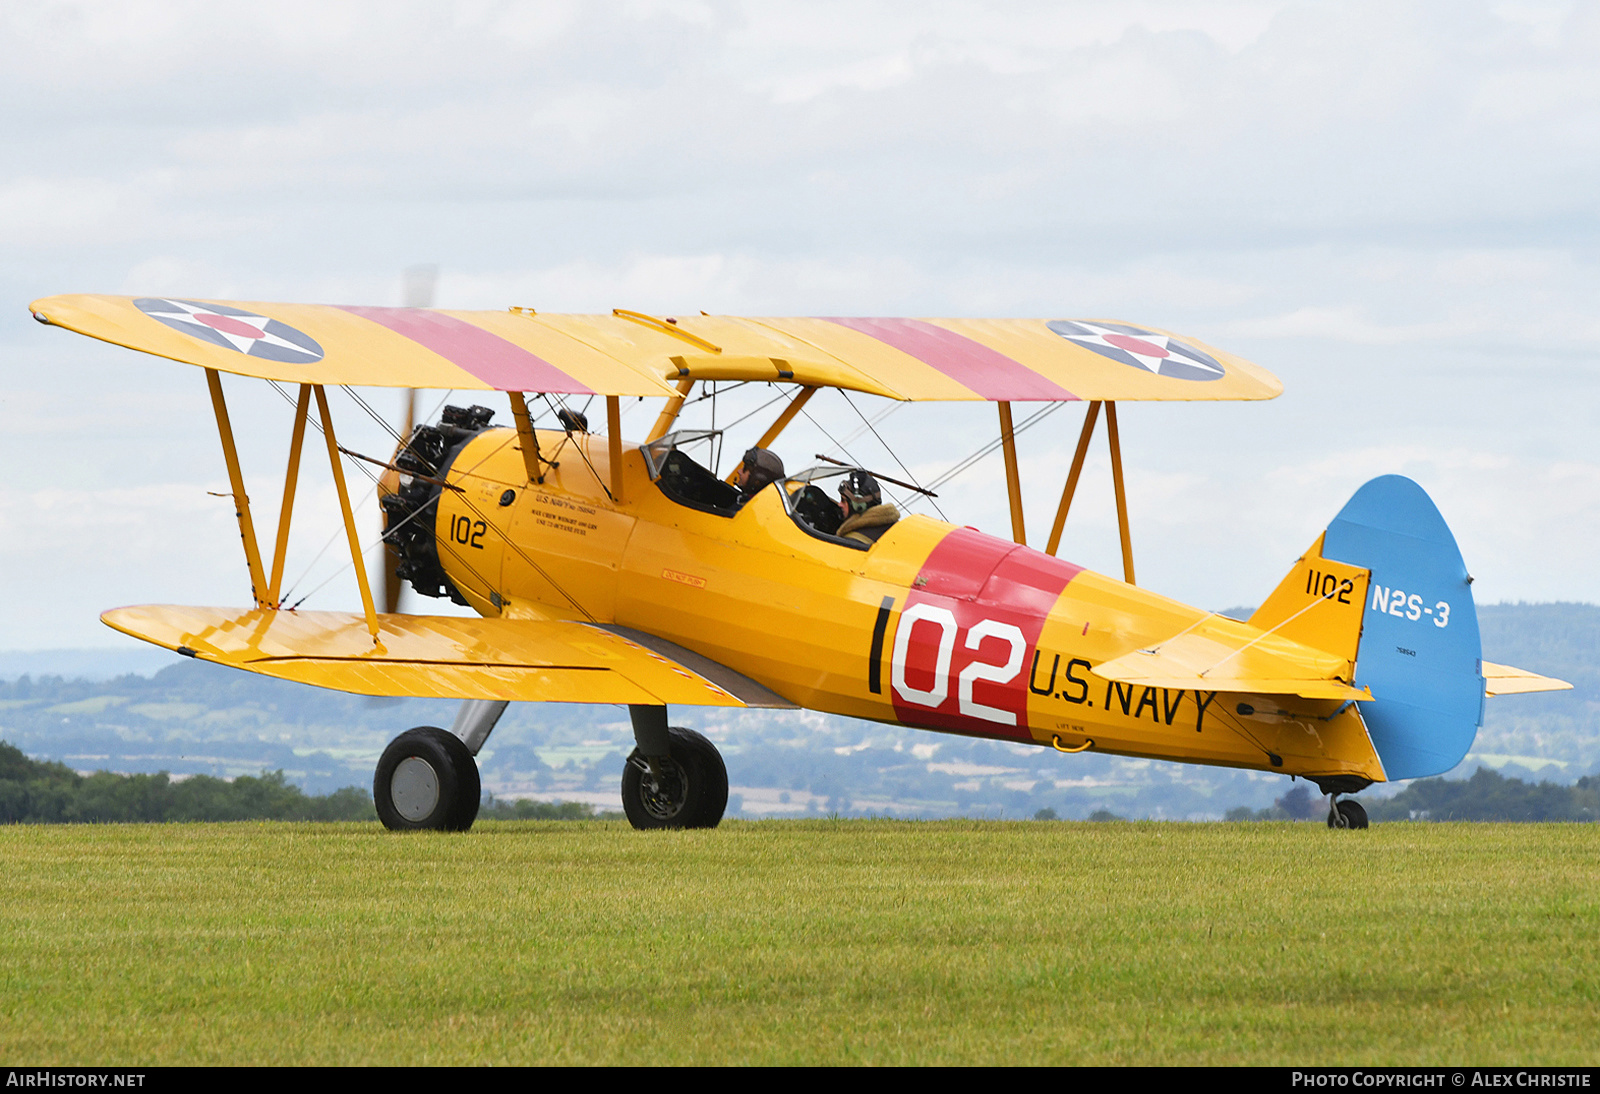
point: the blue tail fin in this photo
(1419, 649)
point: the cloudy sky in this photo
(1390, 205)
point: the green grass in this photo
(811, 941)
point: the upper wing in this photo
(445, 657)
(628, 353)
(1505, 680)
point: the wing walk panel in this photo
(750, 692)
(444, 657)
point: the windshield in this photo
(686, 480)
(811, 498)
(707, 443)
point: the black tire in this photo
(1347, 814)
(1355, 814)
(426, 779)
(693, 792)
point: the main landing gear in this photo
(427, 777)
(675, 778)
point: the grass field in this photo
(812, 941)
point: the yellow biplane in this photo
(627, 572)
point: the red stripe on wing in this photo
(503, 365)
(972, 364)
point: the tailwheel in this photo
(688, 789)
(1347, 814)
(426, 779)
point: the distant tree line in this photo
(528, 809)
(33, 792)
(1490, 796)
(1487, 796)
(52, 793)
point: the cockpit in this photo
(807, 497)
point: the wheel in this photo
(426, 779)
(1355, 814)
(691, 793)
(1347, 814)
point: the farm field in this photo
(825, 941)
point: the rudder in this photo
(1419, 648)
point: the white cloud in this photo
(36, 212)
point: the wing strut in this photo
(1071, 486)
(669, 413)
(1008, 442)
(241, 500)
(614, 444)
(527, 440)
(291, 479)
(344, 508)
(1072, 476)
(1122, 497)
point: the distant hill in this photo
(138, 658)
(1561, 640)
(1551, 735)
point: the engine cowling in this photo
(411, 507)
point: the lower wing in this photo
(446, 657)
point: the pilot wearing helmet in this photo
(866, 517)
(759, 468)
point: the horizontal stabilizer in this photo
(1233, 663)
(448, 657)
(1505, 680)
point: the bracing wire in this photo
(892, 454)
(716, 459)
(781, 395)
(877, 418)
(372, 476)
(994, 446)
(714, 393)
(375, 416)
(852, 459)
(583, 454)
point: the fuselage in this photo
(935, 626)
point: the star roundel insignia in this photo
(1140, 348)
(234, 328)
